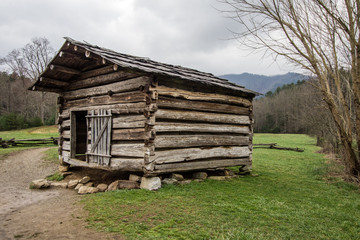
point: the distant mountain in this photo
(263, 84)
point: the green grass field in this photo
(290, 199)
(30, 133)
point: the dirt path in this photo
(38, 214)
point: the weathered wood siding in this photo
(157, 128)
(126, 95)
(199, 130)
(161, 118)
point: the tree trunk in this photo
(42, 108)
(350, 155)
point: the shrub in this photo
(12, 121)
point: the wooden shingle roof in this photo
(75, 58)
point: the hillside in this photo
(261, 83)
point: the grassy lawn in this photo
(30, 133)
(290, 199)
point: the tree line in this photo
(19, 107)
(296, 108)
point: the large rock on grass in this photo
(150, 183)
(102, 187)
(87, 190)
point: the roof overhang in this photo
(76, 60)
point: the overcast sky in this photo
(191, 33)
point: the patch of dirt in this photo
(39, 214)
(42, 129)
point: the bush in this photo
(51, 119)
(13, 121)
(34, 122)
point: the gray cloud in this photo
(190, 33)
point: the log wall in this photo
(126, 95)
(157, 128)
(198, 130)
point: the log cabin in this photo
(127, 113)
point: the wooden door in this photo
(99, 142)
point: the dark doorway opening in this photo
(78, 135)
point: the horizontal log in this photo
(66, 145)
(128, 150)
(65, 123)
(198, 127)
(32, 140)
(65, 114)
(65, 155)
(123, 164)
(191, 154)
(210, 97)
(96, 72)
(208, 164)
(127, 164)
(182, 141)
(201, 116)
(273, 146)
(54, 82)
(122, 86)
(67, 54)
(64, 69)
(131, 121)
(46, 89)
(130, 134)
(176, 103)
(101, 79)
(128, 121)
(128, 97)
(265, 144)
(121, 108)
(65, 134)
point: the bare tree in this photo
(320, 36)
(27, 64)
(37, 54)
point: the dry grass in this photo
(335, 170)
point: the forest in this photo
(19, 107)
(296, 108)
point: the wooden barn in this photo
(127, 113)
